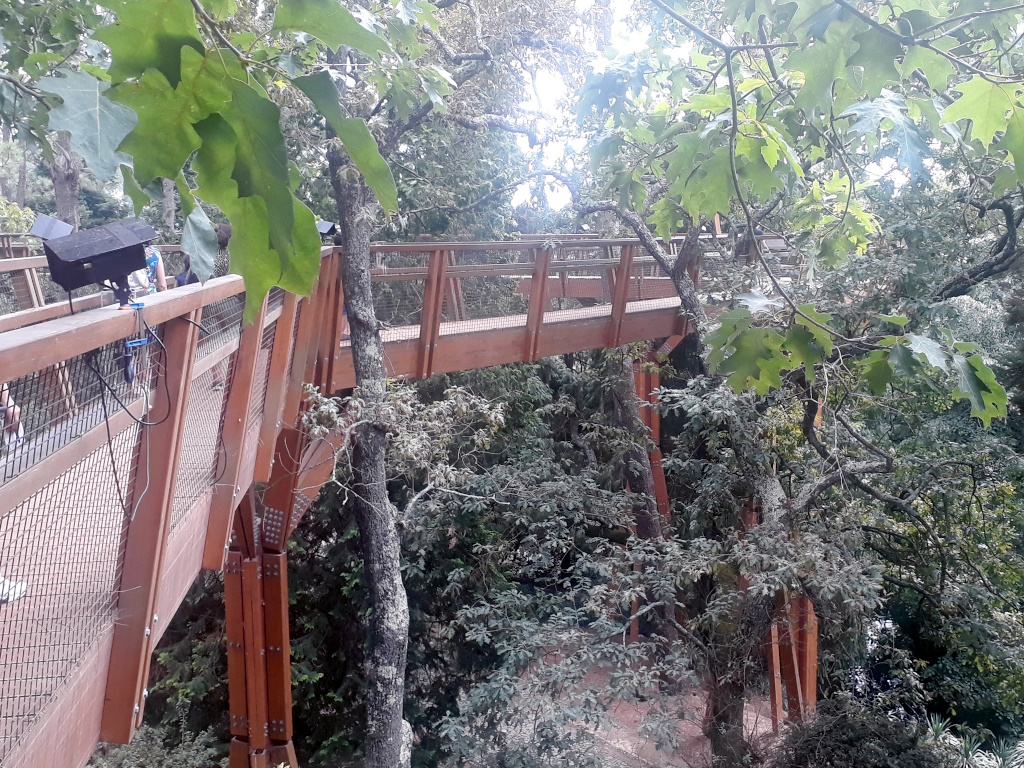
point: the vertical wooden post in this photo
(328, 314)
(538, 303)
(775, 677)
(430, 318)
(228, 492)
(808, 654)
(621, 296)
(279, 676)
(255, 655)
(277, 388)
(147, 535)
(233, 627)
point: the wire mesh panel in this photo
(398, 287)
(222, 323)
(580, 289)
(64, 401)
(201, 438)
(64, 542)
(486, 289)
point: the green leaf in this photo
(877, 372)
(977, 383)
(96, 124)
(731, 323)
(899, 320)
(358, 141)
(163, 138)
(985, 104)
(804, 349)
(821, 64)
(928, 349)
(756, 360)
(329, 22)
(149, 34)
(823, 337)
(903, 361)
(875, 56)
(936, 67)
(199, 241)
(261, 161)
(1013, 140)
(131, 188)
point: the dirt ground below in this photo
(622, 742)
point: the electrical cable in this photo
(110, 444)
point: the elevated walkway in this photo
(138, 471)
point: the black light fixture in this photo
(326, 227)
(106, 254)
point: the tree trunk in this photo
(66, 173)
(724, 724)
(168, 186)
(19, 196)
(389, 623)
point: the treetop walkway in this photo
(165, 440)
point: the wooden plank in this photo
(293, 392)
(212, 359)
(622, 281)
(255, 654)
(808, 654)
(22, 263)
(538, 303)
(234, 618)
(277, 388)
(26, 350)
(279, 496)
(27, 317)
(184, 561)
(775, 678)
(228, 492)
(430, 317)
(146, 540)
(279, 675)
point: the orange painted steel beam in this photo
(277, 387)
(159, 450)
(538, 304)
(228, 492)
(430, 316)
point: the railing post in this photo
(228, 492)
(538, 302)
(277, 388)
(621, 296)
(430, 319)
(160, 445)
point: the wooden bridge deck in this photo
(112, 505)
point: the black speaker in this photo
(104, 254)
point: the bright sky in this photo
(548, 101)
